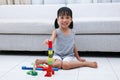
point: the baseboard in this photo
(99, 54)
(44, 53)
(81, 53)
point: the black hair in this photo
(63, 11)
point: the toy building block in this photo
(49, 72)
(39, 66)
(33, 73)
(49, 69)
(39, 69)
(50, 52)
(49, 44)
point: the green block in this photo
(50, 62)
(40, 64)
(33, 73)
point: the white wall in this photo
(33, 2)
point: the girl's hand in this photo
(46, 41)
(81, 60)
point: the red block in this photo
(50, 44)
(49, 71)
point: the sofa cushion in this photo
(88, 26)
(26, 26)
(95, 10)
(96, 18)
(28, 19)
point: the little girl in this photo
(65, 49)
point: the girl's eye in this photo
(62, 17)
(67, 17)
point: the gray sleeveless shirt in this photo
(64, 44)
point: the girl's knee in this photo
(57, 64)
(65, 66)
(37, 61)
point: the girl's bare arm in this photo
(52, 38)
(77, 55)
(54, 34)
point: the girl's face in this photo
(64, 21)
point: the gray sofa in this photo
(25, 27)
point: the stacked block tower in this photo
(50, 53)
(50, 71)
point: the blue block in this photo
(40, 69)
(50, 49)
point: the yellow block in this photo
(50, 56)
(50, 59)
(50, 52)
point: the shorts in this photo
(67, 58)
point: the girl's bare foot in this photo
(90, 64)
(93, 65)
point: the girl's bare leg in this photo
(57, 63)
(41, 61)
(76, 64)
